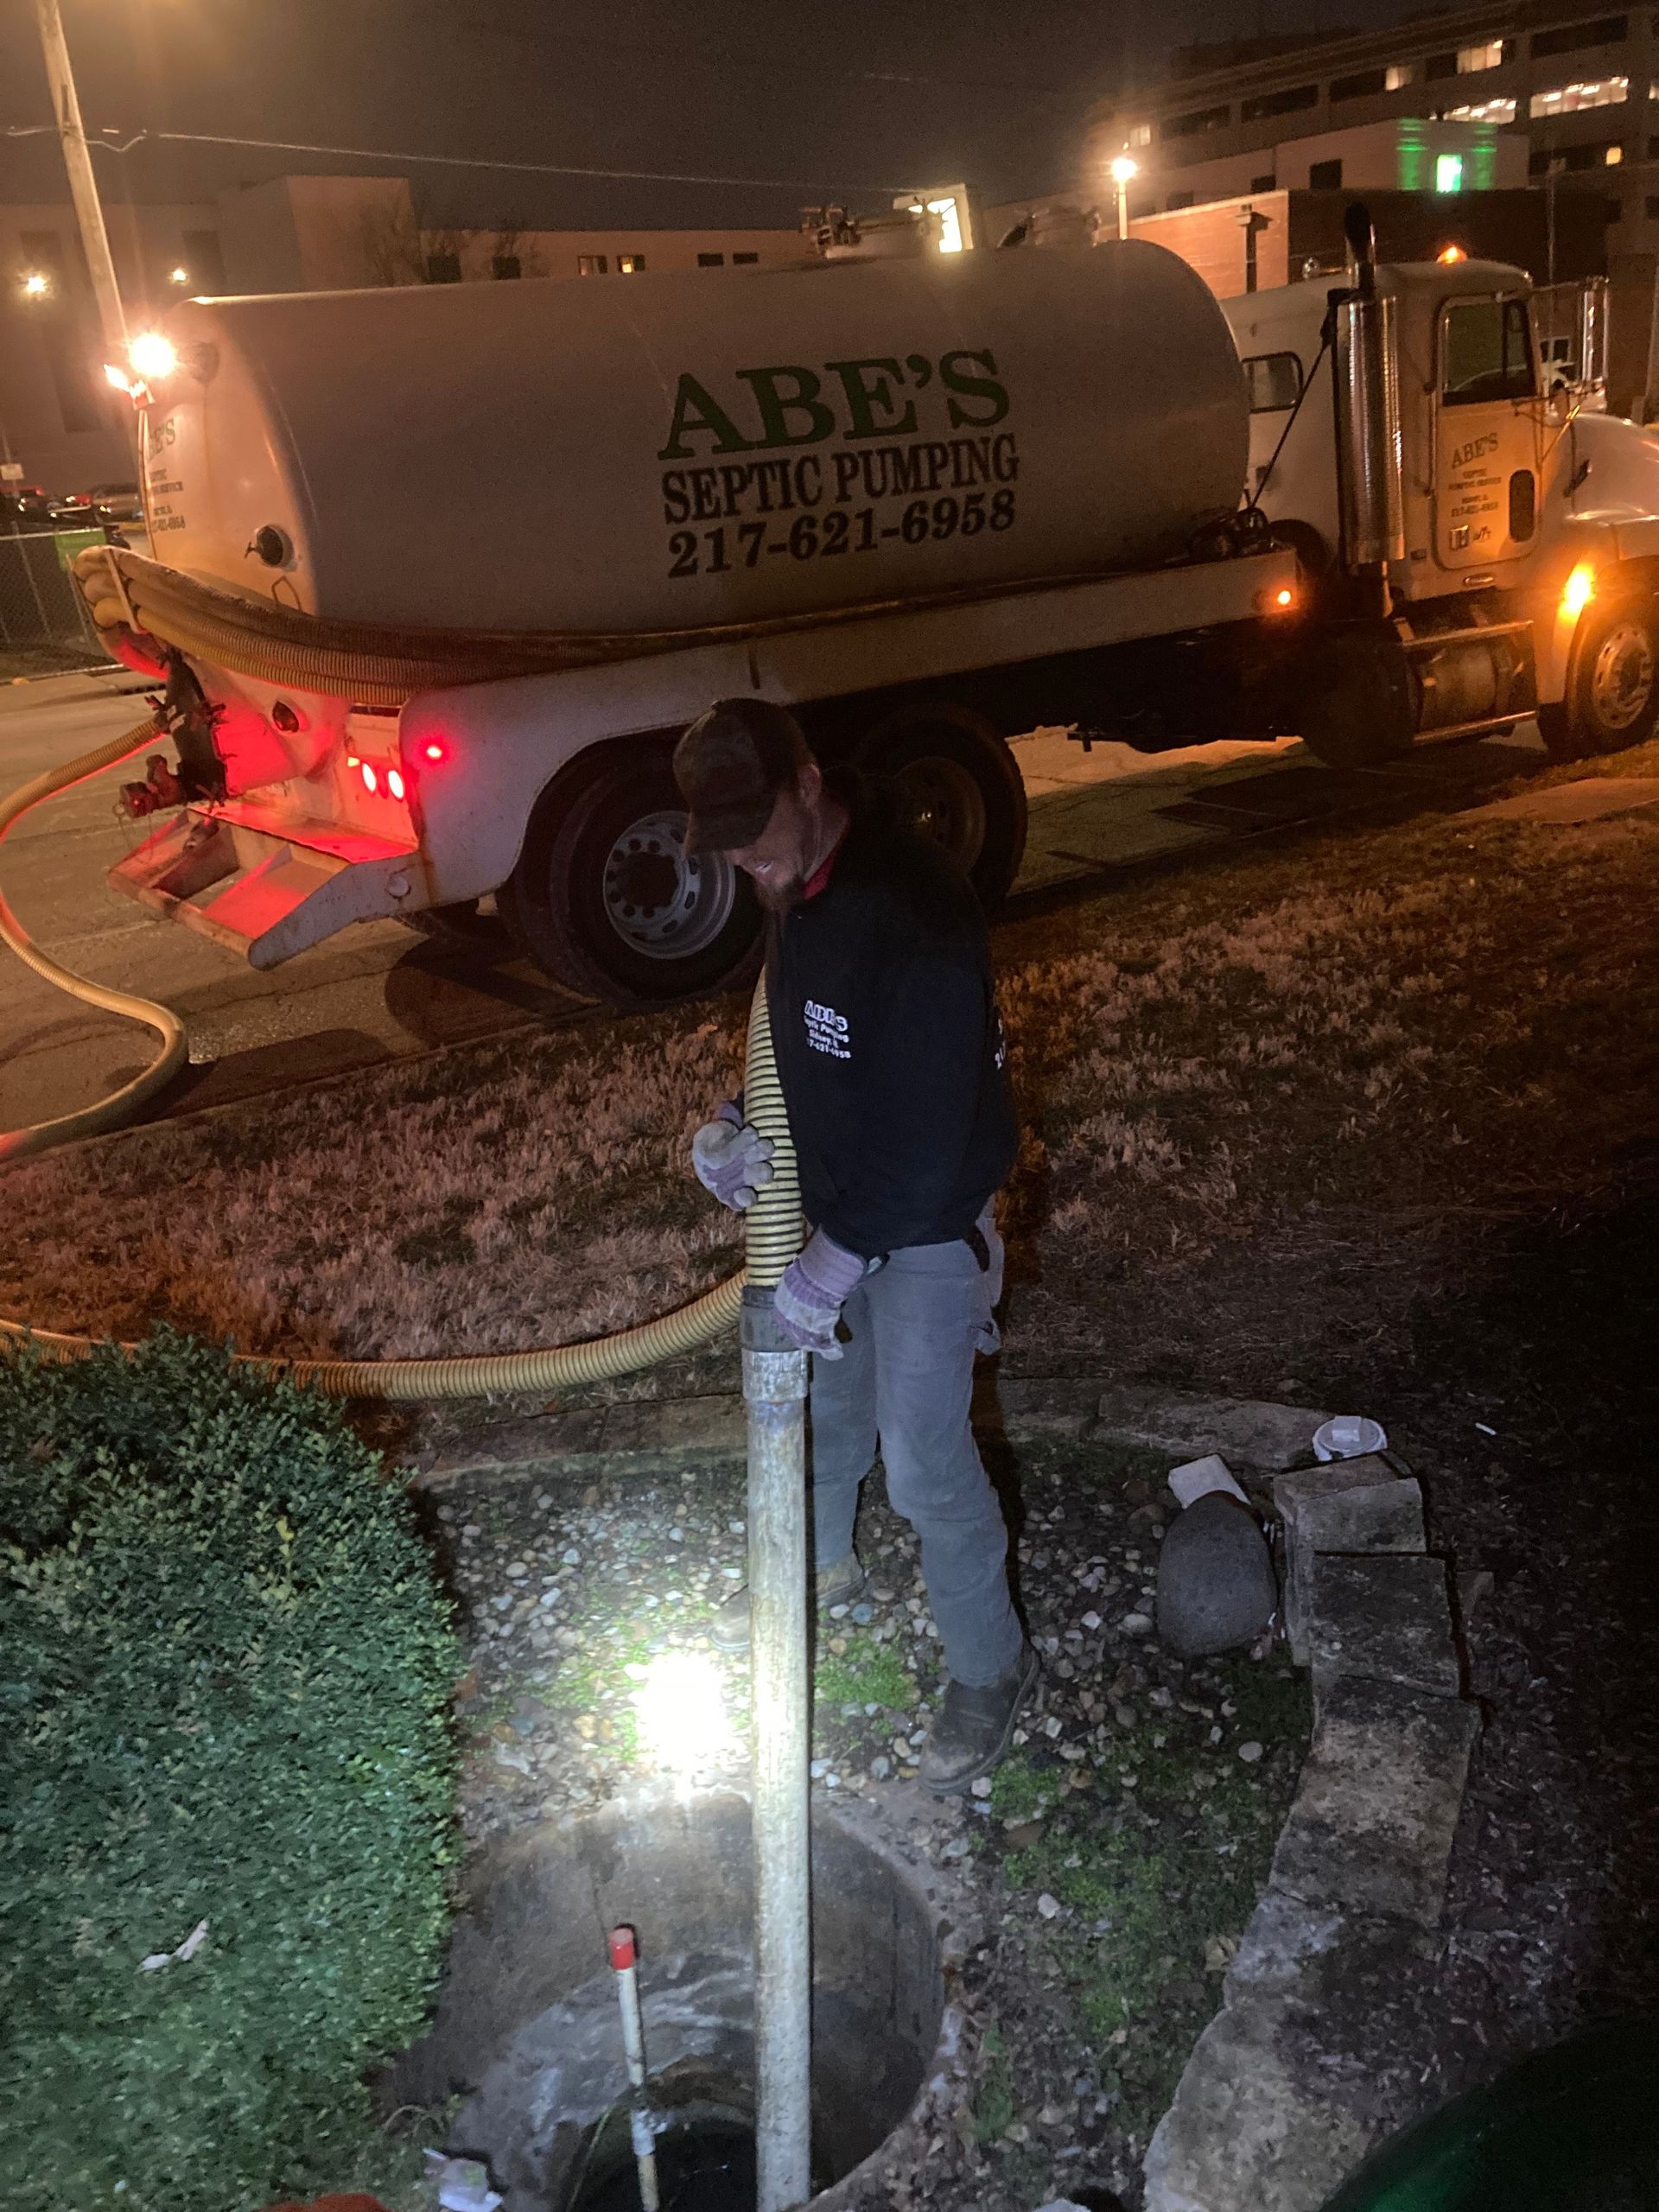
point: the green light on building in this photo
(1482, 160)
(1448, 172)
(1411, 156)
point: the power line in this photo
(455, 160)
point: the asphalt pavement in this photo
(380, 990)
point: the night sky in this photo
(851, 99)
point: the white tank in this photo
(653, 452)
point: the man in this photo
(890, 1054)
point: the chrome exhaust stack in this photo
(1368, 447)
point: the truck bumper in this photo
(264, 893)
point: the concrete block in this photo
(1387, 1618)
(1371, 1828)
(678, 1426)
(1246, 1432)
(1320, 2053)
(1353, 1505)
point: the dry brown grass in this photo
(1397, 1026)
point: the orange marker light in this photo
(1579, 591)
(1451, 254)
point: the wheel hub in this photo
(661, 901)
(941, 800)
(1621, 684)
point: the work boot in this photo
(971, 1730)
(838, 1585)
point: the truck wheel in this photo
(1357, 708)
(1612, 693)
(604, 900)
(955, 782)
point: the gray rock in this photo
(1246, 1432)
(1388, 1620)
(1370, 1827)
(1217, 1590)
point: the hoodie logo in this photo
(826, 1030)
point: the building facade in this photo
(1579, 85)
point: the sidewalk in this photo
(69, 689)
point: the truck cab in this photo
(1508, 492)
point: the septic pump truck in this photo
(928, 505)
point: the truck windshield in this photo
(1485, 353)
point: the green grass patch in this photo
(225, 1666)
(1159, 1873)
(993, 2102)
(867, 1673)
(1020, 1789)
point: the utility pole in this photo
(82, 188)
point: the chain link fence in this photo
(44, 624)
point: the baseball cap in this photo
(730, 767)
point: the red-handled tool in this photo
(624, 1957)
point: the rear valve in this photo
(161, 788)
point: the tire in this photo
(1358, 709)
(955, 782)
(1612, 686)
(605, 900)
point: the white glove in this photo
(731, 1159)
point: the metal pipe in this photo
(625, 1958)
(774, 1393)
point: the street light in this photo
(36, 285)
(1123, 167)
(178, 276)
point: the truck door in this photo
(1487, 431)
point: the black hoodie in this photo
(888, 1045)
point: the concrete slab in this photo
(1353, 1505)
(1371, 1828)
(1383, 1620)
(1587, 800)
(1245, 1432)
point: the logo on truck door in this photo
(895, 449)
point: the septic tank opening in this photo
(527, 2032)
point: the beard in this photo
(778, 895)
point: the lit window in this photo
(950, 217)
(1398, 75)
(1487, 55)
(1566, 99)
(1139, 134)
(630, 264)
(1448, 172)
(1613, 155)
(1499, 111)
(592, 265)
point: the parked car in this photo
(73, 510)
(24, 507)
(113, 503)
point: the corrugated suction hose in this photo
(772, 1224)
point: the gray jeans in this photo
(912, 1330)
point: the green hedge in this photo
(224, 1669)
